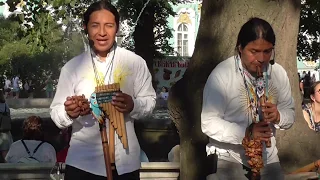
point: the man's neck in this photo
(102, 55)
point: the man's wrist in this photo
(70, 117)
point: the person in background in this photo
(311, 111)
(26, 87)
(303, 74)
(32, 144)
(5, 137)
(31, 88)
(313, 78)
(163, 97)
(16, 86)
(174, 154)
(66, 136)
(305, 85)
(49, 87)
(7, 87)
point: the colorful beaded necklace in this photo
(256, 88)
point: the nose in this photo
(260, 57)
(103, 31)
(260, 61)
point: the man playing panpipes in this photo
(104, 64)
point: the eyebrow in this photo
(258, 50)
(102, 23)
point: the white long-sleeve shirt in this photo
(77, 77)
(225, 112)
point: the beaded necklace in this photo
(259, 87)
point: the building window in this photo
(183, 40)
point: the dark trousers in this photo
(73, 173)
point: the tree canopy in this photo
(308, 38)
(19, 55)
(36, 17)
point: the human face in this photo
(102, 31)
(316, 96)
(256, 54)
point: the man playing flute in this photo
(105, 63)
(232, 112)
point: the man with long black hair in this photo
(104, 63)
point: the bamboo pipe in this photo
(262, 101)
(106, 153)
(112, 143)
(124, 139)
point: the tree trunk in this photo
(144, 41)
(216, 40)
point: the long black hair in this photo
(100, 5)
(254, 29)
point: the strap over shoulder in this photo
(35, 150)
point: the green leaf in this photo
(73, 3)
(2, 3)
(25, 8)
(55, 4)
(21, 17)
(65, 21)
(62, 12)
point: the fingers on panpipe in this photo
(112, 143)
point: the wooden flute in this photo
(263, 99)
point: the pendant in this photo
(260, 87)
(96, 110)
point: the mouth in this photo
(102, 42)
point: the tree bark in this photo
(144, 37)
(216, 40)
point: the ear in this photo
(240, 49)
(312, 97)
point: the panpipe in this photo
(263, 100)
(104, 94)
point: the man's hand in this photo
(271, 113)
(85, 107)
(262, 131)
(72, 108)
(123, 102)
(76, 106)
